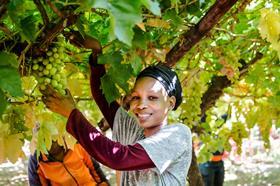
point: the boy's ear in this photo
(172, 102)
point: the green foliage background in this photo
(135, 34)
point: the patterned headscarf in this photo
(168, 78)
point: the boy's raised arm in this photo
(97, 71)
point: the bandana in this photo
(168, 78)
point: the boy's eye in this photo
(153, 98)
(133, 98)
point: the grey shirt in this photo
(170, 149)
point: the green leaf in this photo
(28, 26)
(109, 88)
(80, 26)
(41, 144)
(15, 6)
(10, 81)
(23, 16)
(275, 100)
(194, 8)
(3, 102)
(136, 64)
(241, 27)
(175, 3)
(140, 39)
(124, 15)
(153, 6)
(120, 73)
(101, 4)
(8, 59)
(85, 5)
(172, 16)
(110, 58)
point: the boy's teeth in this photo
(143, 115)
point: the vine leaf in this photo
(29, 28)
(117, 75)
(9, 77)
(3, 102)
(136, 64)
(153, 6)
(109, 88)
(110, 58)
(25, 21)
(8, 59)
(125, 14)
(10, 81)
(120, 74)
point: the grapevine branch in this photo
(198, 31)
(54, 8)
(42, 11)
(54, 31)
(209, 98)
(3, 7)
(219, 83)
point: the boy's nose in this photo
(142, 104)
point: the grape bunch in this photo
(49, 70)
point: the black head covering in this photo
(168, 78)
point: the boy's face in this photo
(150, 103)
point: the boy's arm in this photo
(109, 153)
(97, 71)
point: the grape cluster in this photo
(49, 70)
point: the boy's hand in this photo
(88, 42)
(56, 102)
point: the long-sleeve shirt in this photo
(161, 159)
(130, 157)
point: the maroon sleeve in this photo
(104, 150)
(97, 71)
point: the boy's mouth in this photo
(143, 117)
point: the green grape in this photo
(46, 72)
(57, 61)
(35, 67)
(45, 62)
(41, 68)
(40, 59)
(60, 86)
(54, 83)
(40, 80)
(53, 71)
(57, 77)
(51, 59)
(56, 55)
(43, 87)
(49, 69)
(47, 80)
(49, 53)
(54, 49)
(49, 66)
(40, 74)
(61, 91)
